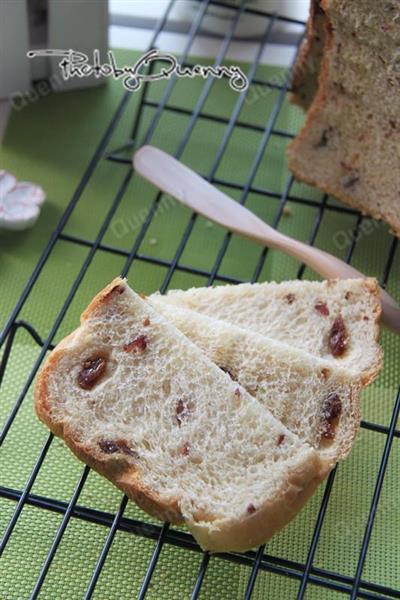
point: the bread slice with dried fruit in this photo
(308, 63)
(311, 397)
(349, 145)
(337, 320)
(141, 404)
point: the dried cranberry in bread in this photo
(350, 143)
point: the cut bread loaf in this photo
(308, 64)
(311, 397)
(337, 320)
(349, 145)
(141, 404)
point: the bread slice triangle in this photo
(337, 320)
(140, 403)
(318, 401)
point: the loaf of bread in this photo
(337, 320)
(313, 398)
(308, 63)
(140, 403)
(350, 143)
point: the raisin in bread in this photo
(141, 404)
(308, 64)
(349, 145)
(316, 400)
(337, 320)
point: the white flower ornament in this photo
(20, 202)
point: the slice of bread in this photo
(349, 145)
(141, 404)
(337, 320)
(313, 398)
(308, 64)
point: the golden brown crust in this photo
(304, 52)
(259, 527)
(373, 287)
(127, 479)
(305, 73)
(105, 295)
(323, 77)
(298, 72)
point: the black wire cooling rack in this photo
(256, 561)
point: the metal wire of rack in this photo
(307, 573)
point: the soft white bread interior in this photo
(337, 320)
(318, 401)
(140, 403)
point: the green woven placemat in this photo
(50, 142)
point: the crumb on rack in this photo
(287, 212)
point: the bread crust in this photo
(259, 527)
(307, 66)
(233, 535)
(370, 376)
(314, 111)
(321, 93)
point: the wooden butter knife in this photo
(177, 180)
